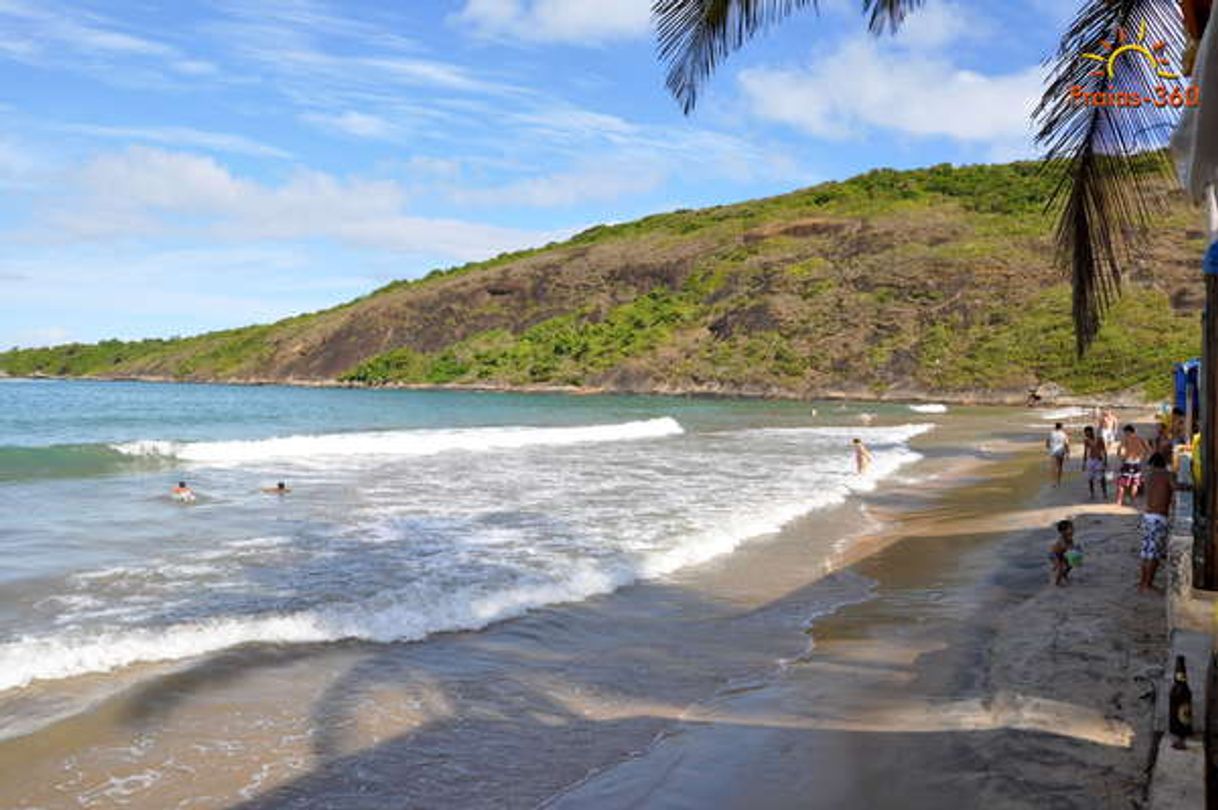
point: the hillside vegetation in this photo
(936, 282)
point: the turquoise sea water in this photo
(410, 512)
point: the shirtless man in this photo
(862, 457)
(1095, 461)
(1155, 527)
(1162, 442)
(1132, 452)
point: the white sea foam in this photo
(896, 434)
(1064, 413)
(734, 532)
(932, 407)
(457, 556)
(468, 608)
(259, 542)
(398, 443)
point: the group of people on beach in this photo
(1146, 469)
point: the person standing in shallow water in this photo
(1058, 445)
(1108, 427)
(862, 457)
(1095, 461)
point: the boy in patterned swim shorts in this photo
(1160, 490)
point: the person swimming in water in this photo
(279, 489)
(182, 493)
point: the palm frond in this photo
(694, 36)
(889, 14)
(1104, 154)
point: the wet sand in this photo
(939, 669)
(967, 679)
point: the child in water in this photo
(182, 493)
(1062, 552)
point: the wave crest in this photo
(396, 443)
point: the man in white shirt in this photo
(1058, 445)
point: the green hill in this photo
(936, 282)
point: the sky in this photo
(169, 167)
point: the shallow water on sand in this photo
(234, 631)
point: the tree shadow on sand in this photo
(525, 713)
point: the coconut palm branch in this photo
(1104, 154)
(696, 35)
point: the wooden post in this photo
(1209, 435)
(1209, 401)
(1209, 490)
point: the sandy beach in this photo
(967, 677)
(926, 660)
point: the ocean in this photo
(411, 514)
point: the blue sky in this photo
(169, 167)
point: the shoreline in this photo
(577, 699)
(281, 725)
(1119, 400)
(967, 678)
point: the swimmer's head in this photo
(181, 485)
(856, 441)
(281, 485)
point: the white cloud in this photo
(61, 36)
(51, 29)
(360, 125)
(864, 86)
(183, 136)
(569, 122)
(147, 192)
(45, 336)
(432, 167)
(606, 180)
(195, 67)
(578, 22)
(428, 73)
(15, 161)
(938, 24)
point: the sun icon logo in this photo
(1160, 64)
